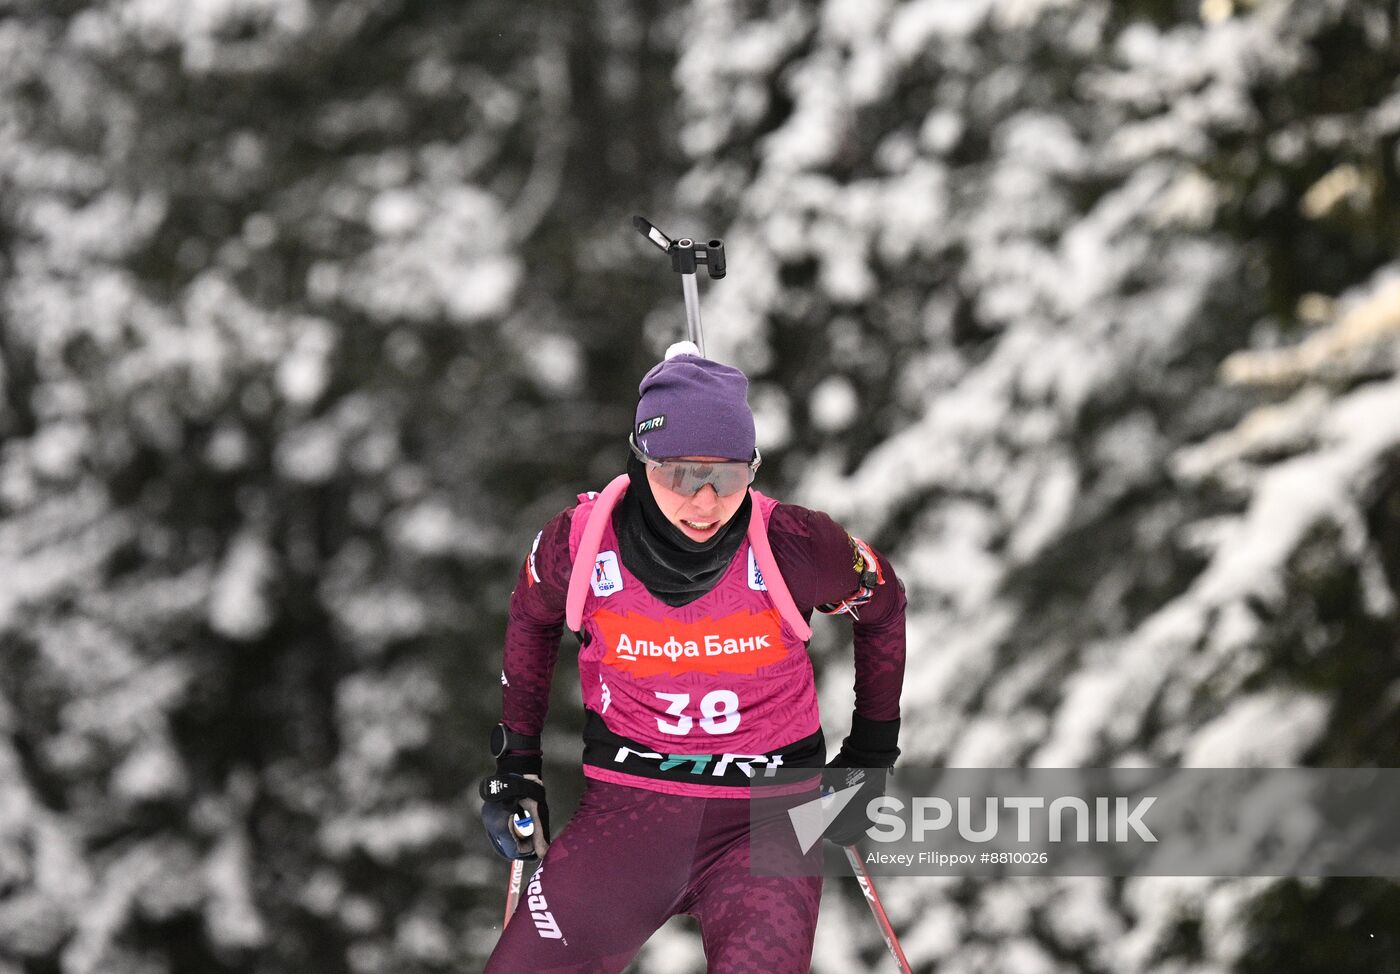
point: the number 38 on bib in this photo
(719, 710)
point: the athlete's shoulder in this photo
(548, 561)
(800, 538)
(820, 560)
(798, 522)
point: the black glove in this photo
(514, 796)
(508, 801)
(865, 758)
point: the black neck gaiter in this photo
(674, 568)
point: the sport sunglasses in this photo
(688, 476)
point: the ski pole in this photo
(522, 826)
(876, 907)
(517, 875)
(686, 256)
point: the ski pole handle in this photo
(877, 908)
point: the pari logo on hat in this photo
(647, 425)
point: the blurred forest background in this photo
(1087, 312)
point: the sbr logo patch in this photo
(607, 575)
(755, 574)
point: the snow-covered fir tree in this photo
(1087, 312)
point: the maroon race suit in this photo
(685, 708)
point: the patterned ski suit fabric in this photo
(723, 674)
(634, 855)
(813, 553)
(630, 859)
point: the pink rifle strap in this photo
(592, 536)
(585, 559)
(772, 578)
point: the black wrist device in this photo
(504, 739)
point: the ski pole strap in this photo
(508, 788)
(772, 578)
(585, 560)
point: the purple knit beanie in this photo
(694, 407)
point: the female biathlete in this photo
(691, 594)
